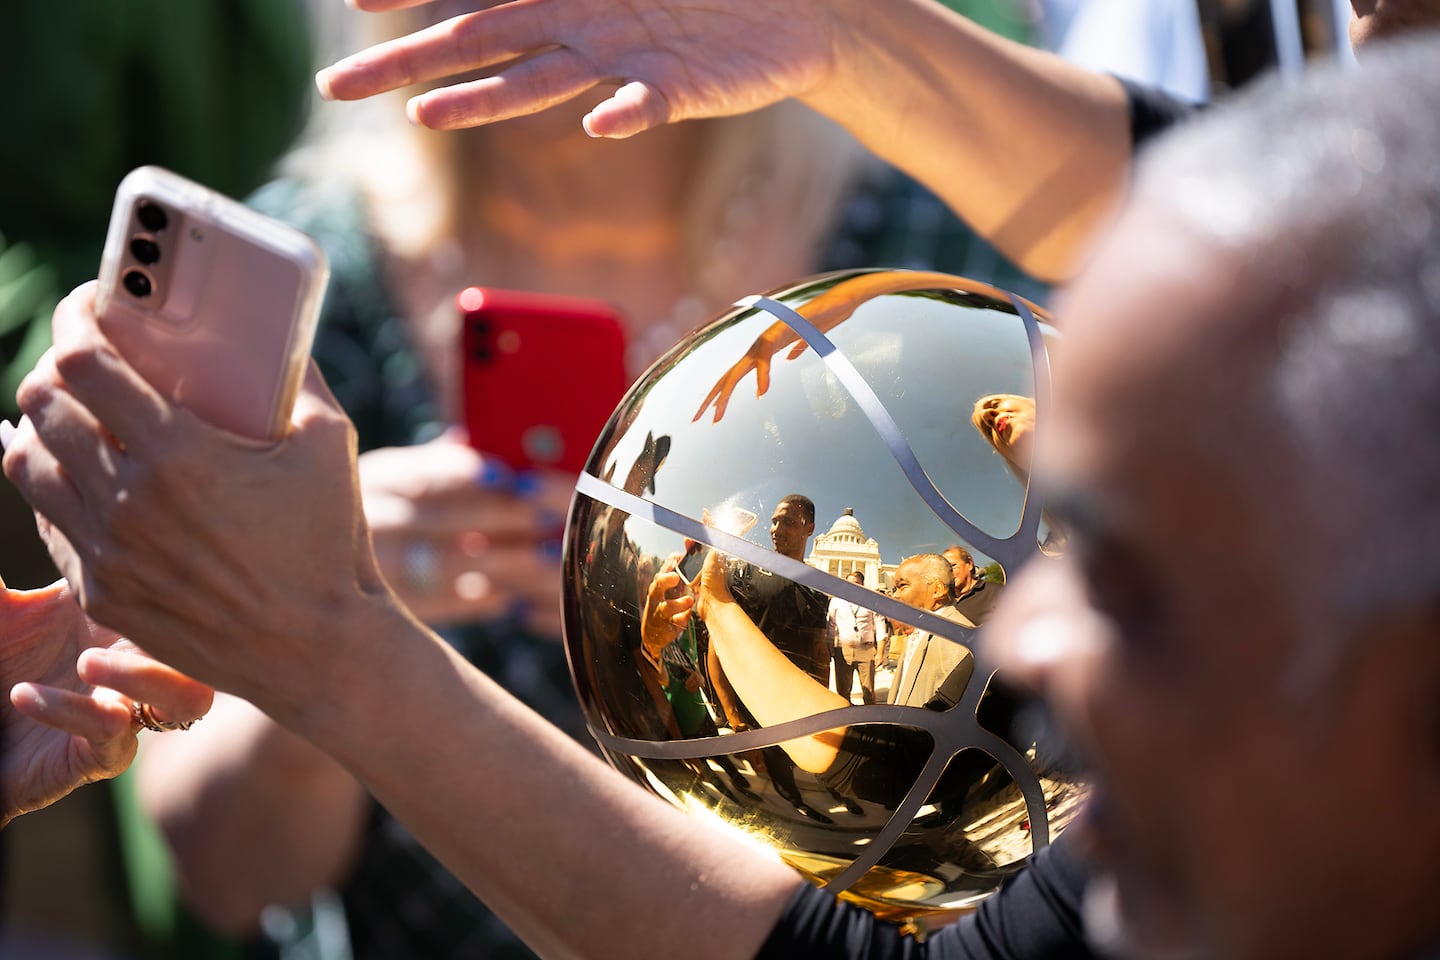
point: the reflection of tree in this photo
(993, 572)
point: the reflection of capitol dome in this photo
(848, 526)
(845, 548)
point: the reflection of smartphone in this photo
(693, 560)
(733, 520)
(211, 302)
(542, 375)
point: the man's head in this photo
(857, 577)
(925, 581)
(963, 565)
(791, 525)
(1251, 376)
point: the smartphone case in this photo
(213, 303)
(541, 375)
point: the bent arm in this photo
(1030, 150)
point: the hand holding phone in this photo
(542, 374)
(213, 303)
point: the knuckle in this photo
(82, 361)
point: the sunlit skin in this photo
(1209, 815)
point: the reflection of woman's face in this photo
(1007, 422)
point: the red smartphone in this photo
(542, 375)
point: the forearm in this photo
(772, 688)
(1032, 151)
(577, 859)
(253, 815)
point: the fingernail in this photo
(551, 550)
(520, 608)
(528, 484)
(494, 475)
(7, 433)
(412, 111)
(322, 84)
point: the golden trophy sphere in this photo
(814, 454)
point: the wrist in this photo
(355, 657)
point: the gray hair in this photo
(1333, 204)
(935, 569)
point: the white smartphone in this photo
(213, 303)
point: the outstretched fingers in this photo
(461, 44)
(536, 84)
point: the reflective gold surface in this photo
(917, 807)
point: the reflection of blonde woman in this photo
(1007, 422)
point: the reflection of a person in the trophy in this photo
(926, 581)
(857, 643)
(852, 763)
(1007, 422)
(609, 567)
(787, 617)
(790, 614)
(975, 596)
(792, 617)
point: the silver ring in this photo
(420, 562)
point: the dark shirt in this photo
(1153, 111)
(1034, 916)
(791, 615)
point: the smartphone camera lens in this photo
(152, 216)
(145, 250)
(137, 283)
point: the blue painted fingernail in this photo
(494, 475)
(549, 520)
(551, 550)
(527, 484)
(520, 608)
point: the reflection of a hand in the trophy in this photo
(767, 682)
(825, 311)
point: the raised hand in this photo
(459, 539)
(226, 561)
(670, 59)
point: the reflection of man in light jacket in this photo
(927, 581)
(857, 642)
